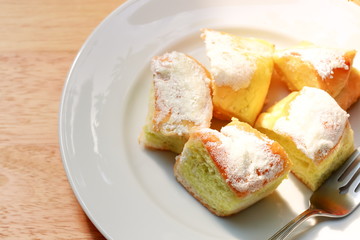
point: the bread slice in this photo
(351, 92)
(242, 69)
(314, 131)
(180, 100)
(230, 170)
(314, 66)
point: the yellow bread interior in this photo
(297, 73)
(202, 178)
(152, 138)
(311, 173)
(156, 140)
(245, 103)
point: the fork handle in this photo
(288, 228)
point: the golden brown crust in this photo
(351, 92)
(297, 73)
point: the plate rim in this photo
(61, 112)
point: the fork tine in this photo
(357, 189)
(350, 172)
(352, 184)
(349, 168)
(355, 182)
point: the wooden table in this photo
(39, 39)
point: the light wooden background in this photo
(38, 42)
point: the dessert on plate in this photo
(314, 66)
(313, 129)
(351, 92)
(180, 100)
(307, 132)
(241, 69)
(230, 170)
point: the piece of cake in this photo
(314, 66)
(351, 92)
(180, 100)
(230, 170)
(241, 69)
(313, 129)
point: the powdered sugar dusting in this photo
(247, 160)
(315, 122)
(182, 93)
(324, 60)
(230, 65)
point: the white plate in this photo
(129, 192)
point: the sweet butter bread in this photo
(241, 69)
(314, 66)
(351, 92)
(230, 170)
(180, 100)
(314, 131)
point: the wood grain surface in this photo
(39, 39)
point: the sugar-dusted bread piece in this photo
(242, 69)
(230, 170)
(314, 131)
(314, 66)
(351, 92)
(180, 100)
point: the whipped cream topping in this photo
(246, 159)
(182, 93)
(315, 122)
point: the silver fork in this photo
(337, 197)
